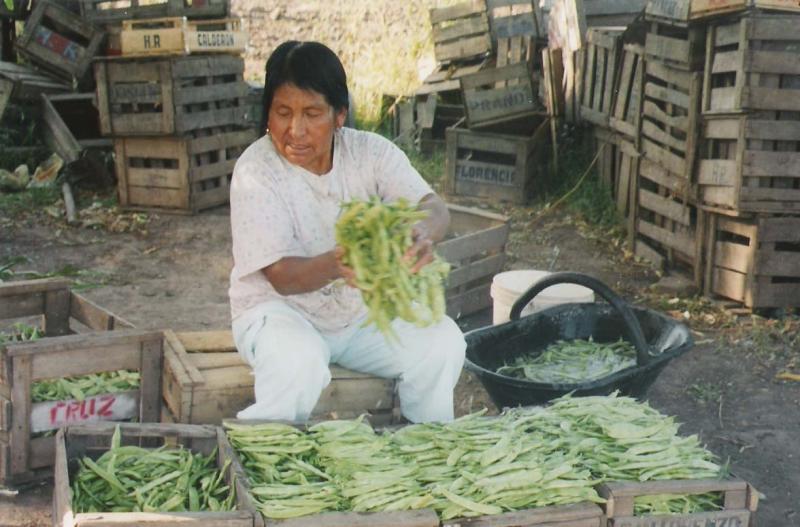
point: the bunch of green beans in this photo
(79, 388)
(375, 236)
(134, 479)
(574, 361)
(524, 458)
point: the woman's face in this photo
(301, 124)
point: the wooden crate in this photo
(26, 457)
(599, 71)
(740, 503)
(669, 229)
(751, 65)
(433, 118)
(76, 442)
(494, 166)
(675, 46)
(754, 261)
(26, 85)
(626, 102)
(749, 164)
(206, 381)
(499, 95)
(671, 121)
(686, 11)
(510, 18)
(626, 165)
(72, 124)
(605, 144)
(475, 248)
(59, 41)
(178, 174)
(170, 96)
(460, 31)
(106, 11)
(179, 36)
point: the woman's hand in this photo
(420, 253)
(343, 270)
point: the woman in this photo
(293, 314)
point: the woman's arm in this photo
(293, 275)
(428, 231)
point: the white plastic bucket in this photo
(508, 286)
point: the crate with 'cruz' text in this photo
(171, 95)
(183, 174)
(492, 165)
(26, 450)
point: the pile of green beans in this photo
(375, 236)
(524, 458)
(571, 362)
(134, 479)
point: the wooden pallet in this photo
(626, 104)
(740, 503)
(178, 174)
(749, 164)
(686, 11)
(671, 121)
(494, 166)
(675, 46)
(170, 96)
(751, 65)
(76, 442)
(59, 41)
(71, 125)
(460, 31)
(669, 230)
(498, 95)
(754, 261)
(25, 457)
(107, 11)
(206, 381)
(179, 36)
(432, 118)
(599, 71)
(475, 249)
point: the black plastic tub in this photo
(656, 337)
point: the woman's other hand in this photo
(420, 253)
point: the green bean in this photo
(133, 479)
(375, 237)
(572, 362)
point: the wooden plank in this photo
(665, 206)
(461, 10)
(207, 341)
(23, 287)
(681, 243)
(418, 518)
(483, 268)
(464, 48)
(22, 306)
(93, 316)
(733, 256)
(56, 313)
(21, 380)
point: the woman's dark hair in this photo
(309, 66)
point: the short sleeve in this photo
(261, 225)
(395, 176)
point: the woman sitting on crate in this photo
(292, 315)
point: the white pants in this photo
(290, 361)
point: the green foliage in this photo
(32, 199)
(431, 167)
(592, 200)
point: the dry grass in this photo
(385, 45)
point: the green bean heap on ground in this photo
(572, 362)
(134, 479)
(524, 458)
(77, 388)
(375, 236)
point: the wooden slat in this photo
(665, 206)
(419, 518)
(673, 240)
(207, 341)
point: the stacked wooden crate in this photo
(175, 103)
(748, 175)
(495, 149)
